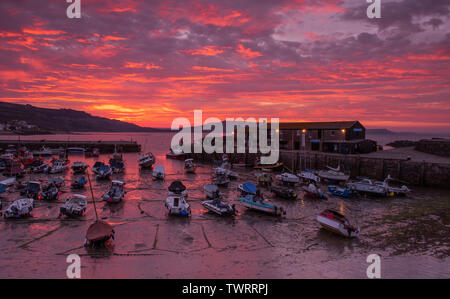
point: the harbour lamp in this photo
(343, 131)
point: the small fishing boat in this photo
(342, 192)
(99, 235)
(97, 166)
(336, 222)
(247, 189)
(395, 187)
(146, 161)
(189, 166)
(223, 171)
(49, 192)
(333, 175)
(116, 163)
(284, 192)
(79, 167)
(257, 203)
(19, 208)
(104, 173)
(57, 181)
(74, 206)
(177, 154)
(308, 176)
(265, 179)
(39, 168)
(115, 193)
(212, 191)
(31, 190)
(221, 180)
(219, 207)
(79, 183)
(177, 188)
(288, 178)
(177, 205)
(368, 186)
(312, 191)
(8, 182)
(158, 173)
(58, 166)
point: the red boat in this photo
(336, 222)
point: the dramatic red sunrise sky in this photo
(148, 62)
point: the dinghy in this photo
(57, 181)
(39, 168)
(211, 191)
(222, 171)
(104, 173)
(313, 192)
(116, 163)
(158, 173)
(146, 161)
(79, 183)
(79, 167)
(308, 176)
(31, 190)
(97, 166)
(342, 192)
(115, 193)
(247, 189)
(336, 222)
(49, 192)
(189, 166)
(264, 179)
(333, 175)
(219, 207)
(177, 188)
(368, 186)
(284, 192)
(177, 205)
(99, 235)
(58, 166)
(19, 208)
(396, 187)
(8, 182)
(288, 178)
(257, 203)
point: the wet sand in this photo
(411, 233)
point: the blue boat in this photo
(256, 202)
(247, 188)
(2, 188)
(341, 192)
(78, 184)
(104, 172)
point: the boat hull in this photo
(336, 227)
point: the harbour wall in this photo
(412, 172)
(105, 147)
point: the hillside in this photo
(66, 120)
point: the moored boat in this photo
(79, 183)
(247, 188)
(189, 166)
(146, 161)
(312, 191)
(308, 176)
(79, 167)
(219, 207)
(177, 188)
(177, 205)
(158, 173)
(333, 174)
(99, 235)
(284, 192)
(177, 155)
(104, 173)
(257, 203)
(368, 186)
(19, 208)
(288, 178)
(342, 192)
(336, 222)
(49, 192)
(74, 206)
(97, 166)
(31, 190)
(115, 193)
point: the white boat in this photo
(158, 173)
(79, 167)
(177, 205)
(74, 206)
(221, 180)
(288, 178)
(313, 192)
(189, 166)
(8, 182)
(115, 193)
(226, 172)
(219, 207)
(333, 174)
(19, 208)
(44, 151)
(308, 176)
(368, 186)
(39, 168)
(58, 166)
(337, 223)
(395, 187)
(212, 191)
(146, 160)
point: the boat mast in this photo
(92, 195)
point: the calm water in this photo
(411, 234)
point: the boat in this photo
(219, 207)
(342, 192)
(368, 186)
(95, 152)
(284, 192)
(177, 154)
(58, 166)
(177, 205)
(99, 235)
(44, 151)
(26, 157)
(189, 166)
(333, 175)
(97, 166)
(39, 168)
(115, 193)
(2, 165)
(79, 167)
(287, 178)
(212, 191)
(79, 183)
(49, 192)
(116, 163)
(395, 187)
(76, 150)
(158, 173)
(74, 206)
(104, 173)
(264, 179)
(312, 191)
(257, 203)
(146, 161)
(276, 166)
(336, 222)
(177, 188)
(8, 182)
(226, 172)
(221, 180)
(57, 181)
(31, 190)
(19, 208)
(247, 189)
(308, 176)
(3, 188)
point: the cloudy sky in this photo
(149, 61)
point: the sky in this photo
(151, 61)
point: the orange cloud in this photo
(207, 51)
(247, 53)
